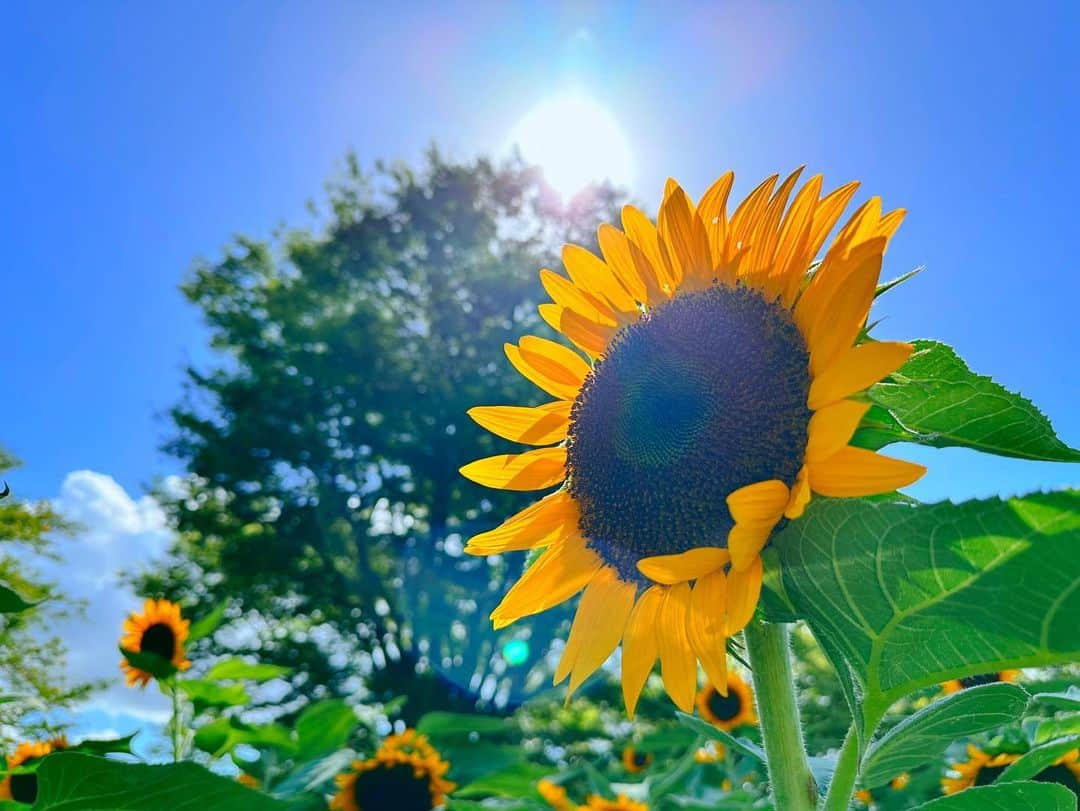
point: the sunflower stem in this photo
(175, 728)
(793, 785)
(843, 779)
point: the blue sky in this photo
(139, 136)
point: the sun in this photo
(574, 141)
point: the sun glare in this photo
(574, 141)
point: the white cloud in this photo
(116, 533)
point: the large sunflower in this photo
(721, 390)
(22, 787)
(980, 769)
(405, 774)
(728, 708)
(956, 685)
(159, 629)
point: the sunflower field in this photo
(492, 503)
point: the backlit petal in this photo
(744, 588)
(532, 470)
(858, 472)
(541, 425)
(678, 666)
(684, 566)
(550, 519)
(591, 274)
(856, 369)
(557, 575)
(708, 631)
(598, 627)
(640, 646)
(832, 427)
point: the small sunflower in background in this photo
(956, 685)
(980, 769)
(898, 783)
(555, 795)
(405, 774)
(1065, 771)
(594, 802)
(711, 752)
(22, 787)
(635, 761)
(728, 708)
(159, 629)
(717, 387)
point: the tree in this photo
(323, 499)
(32, 663)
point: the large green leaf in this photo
(204, 694)
(457, 725)
(1006, 797)
(935, 399)
(904, 596)
(926, 735)
(324, 727)
(1068, 699)
(238, 670)
(223, 735)
(70, 781)
(518, 780)
(206, 625)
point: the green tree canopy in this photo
(323, 448)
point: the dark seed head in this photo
(392, 788)
(704, 395)
(160, 639)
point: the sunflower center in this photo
(392, 788)
(978, 681)
(24, 788)
(641, 759)
(704, 395)
(725, 707)
(988, 774)
(1060, 774)
(160, 639)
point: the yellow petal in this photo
(800, 495)
(764, 236)
(550, 519)
(598, 627)
(746, 541)
(854, 472)
(793, 255)
(640, 646)
(629, 264)
(813, 309)
(591, 274)
(588, 336)
(684, 566)
(744, 588)
(541, 425)
(565, 293)
(846, 310)
(555, 360)
(532, 470)
(684, 233)
(535, 368)
(640, 231)
(856, 369)
(827, 213)
(746, 216)
(832, 427)
(554, 577)
(708, 621)
(758, 503)
(678, 666)
(713, 212)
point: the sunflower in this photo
(555, 795)
(720, 391)
(956, 685)
(730, 708)
(898, 783)
(405, 774)
(980, 769)
(22, 787)
(635, 761)
(1065, 771)
(160, 630)
(594, 802)
(711, 752)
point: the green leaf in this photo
(223, 735)
(926, 735)
(70, 781)
(517, 781)
(316, 775)
(471, 761)
(707, 730)
(205, 694)
(456, 725)
(1066, 700)
(1034, 761)
(936, 400)
(208, 624)
(104, 747)
(1057, 728)
(1006, 797)
(157, 666)
(11, 602)
(905, 596)
(237, 670)
(324, 727)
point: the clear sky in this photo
(137, 136)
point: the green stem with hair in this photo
(843, 780)
(793, 785)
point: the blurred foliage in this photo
(32, 661)
(323, 446)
